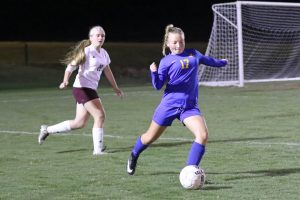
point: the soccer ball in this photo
(192, 177)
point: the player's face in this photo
(97, 38)
(176, 43)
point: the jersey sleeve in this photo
(210, 61)
(160, 76)
(157, 80)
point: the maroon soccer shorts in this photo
(83, 95)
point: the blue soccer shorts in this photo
(165, 115)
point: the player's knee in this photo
(100, 118)
(147, 139)
(202, 137)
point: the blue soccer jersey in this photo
(180, 71)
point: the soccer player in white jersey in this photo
(91, 60)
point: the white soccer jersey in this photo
(89, 73)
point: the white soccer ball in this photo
(192, 177)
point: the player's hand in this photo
(225, 61)
(63, 85)
(153, 67)
(119, 92)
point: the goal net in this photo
(261, 41)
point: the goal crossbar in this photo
(260, 39)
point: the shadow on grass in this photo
(108, 150)
(117, 150)
(215, 187)
(155, 145)
(73, 150)
(161, 173)
(208, 185)
(261, 173)
(174, 144)
(276, 172)
(243, 139)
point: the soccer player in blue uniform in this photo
(179, 71)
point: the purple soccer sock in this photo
(195, 155)
(139, 147)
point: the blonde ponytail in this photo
(76, 55)
(167, 30)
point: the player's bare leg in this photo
(154, 131)
(196, 124)
(79, 121)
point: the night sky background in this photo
(123, 20)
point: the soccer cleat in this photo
(103, 148)
(96, 153)
(43, 134)
(131, 164)
(99, 153)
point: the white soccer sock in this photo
(98, 140)
(59, 128)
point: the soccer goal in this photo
(261, 41)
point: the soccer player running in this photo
(179, 70)
(91, 60)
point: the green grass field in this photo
(253, 150)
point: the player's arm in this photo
(158, 79)
(111, 79)
(213, 62)
(68, 72)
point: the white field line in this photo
(88, 135)
(61, 134)
(36, 98)
(161, 138)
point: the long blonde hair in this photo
(76, 55)
(169, 29)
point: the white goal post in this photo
(261, 41)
